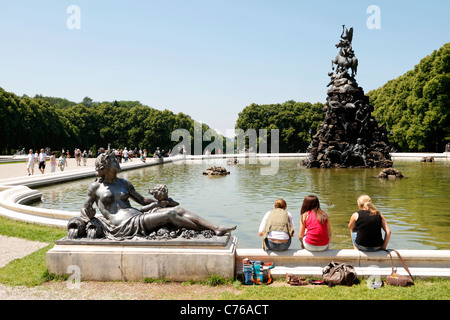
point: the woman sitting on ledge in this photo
(277, 228)
(118, 219)
(316, 222)
(365, 227)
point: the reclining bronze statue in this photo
(118, 220)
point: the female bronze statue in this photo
(118, 219)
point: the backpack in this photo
(336, 273)
(256, 272)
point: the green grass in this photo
(432, 289)
(30, 231)
(153, 280)
(31, 271)
(28, 271)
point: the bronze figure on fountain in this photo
(118, 220)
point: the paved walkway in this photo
(19, 169)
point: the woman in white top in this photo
(277, 240)
(42, 160)
(30, 162)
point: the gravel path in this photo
(11, 249)
(15, 248)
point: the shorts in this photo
(363, 248)
(311, 247)
(42, 165)
(30, 165)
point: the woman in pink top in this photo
(314, 221)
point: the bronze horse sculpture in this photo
(346, 58)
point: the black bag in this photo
(338, 274)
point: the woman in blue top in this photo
(366, 225)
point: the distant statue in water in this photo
(119, 220)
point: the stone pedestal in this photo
(177, 260)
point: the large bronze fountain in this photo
(349, 135)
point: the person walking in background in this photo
(42, 160)
(62, 162)
(366, 225)
(53, 162)
(78, 156)
(144, 155)
(30, 162)
(315, 227)
(277, 228)
(85, 156)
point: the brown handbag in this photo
(336, 273)
(395, 279)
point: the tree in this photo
(416, 105)
(296, 122)
(87, 102)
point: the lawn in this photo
(31, 271)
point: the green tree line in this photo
(416, 105)
(296, 122)
(57, 123)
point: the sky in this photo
(208, 58)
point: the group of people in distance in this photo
(277, 227)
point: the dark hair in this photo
(311, 203)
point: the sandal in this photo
(296, 281)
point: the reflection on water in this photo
(415, 207)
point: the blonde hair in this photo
(365, 202)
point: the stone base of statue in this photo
(128, 260)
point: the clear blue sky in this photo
(209, 58)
